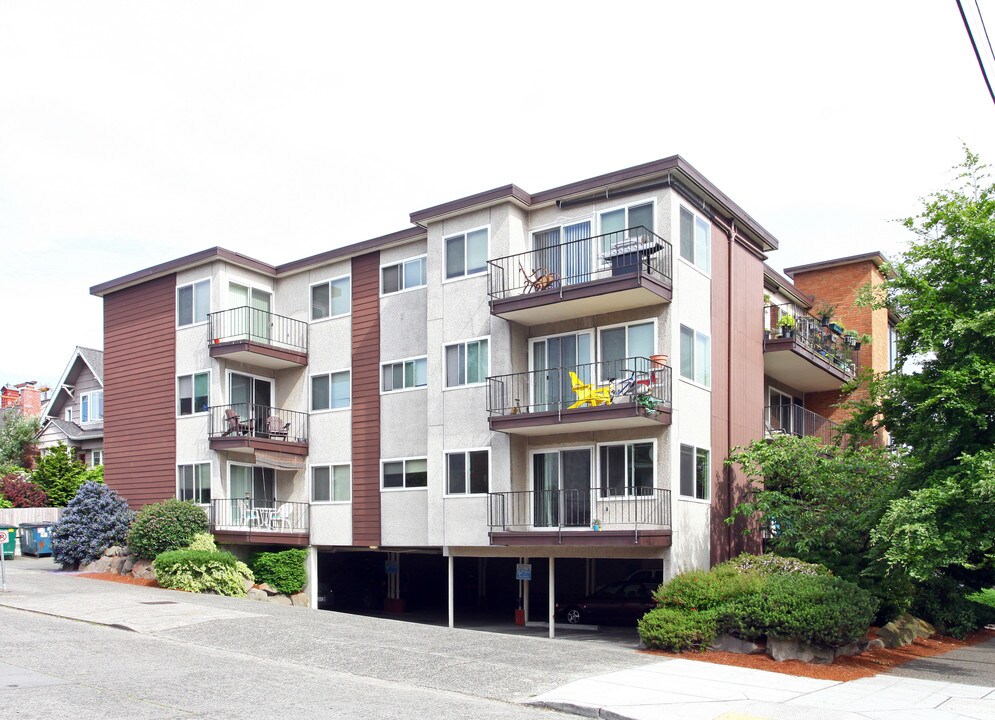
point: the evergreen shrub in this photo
(96, 519)
(284, 571)
(201, 571)
(167, 525)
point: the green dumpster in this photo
(8, 547)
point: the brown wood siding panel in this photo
(139, 379)
(366, 399)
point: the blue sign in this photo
(523, 571)
(391, 568)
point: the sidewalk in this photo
(584, 678)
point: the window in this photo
(405, 473)
(331, 483)
(329, 392)
(332, 298)
(696, 356)
(193, 392)
(193, 302)
(696, 243)
(626, 469)
(466, 363)
(195, 483)
(467, 472)
(405, 374)
(96, 457)
(694, 472)
(466, 254)
(91, 407)
(403, 276)
(614, 222)
(626, 341)
(69, 414)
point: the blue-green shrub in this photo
(94, 520)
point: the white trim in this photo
(271, 381)
(558, 449)
(383, 461)
(89, 397)
(328, 282)
(310, 483)
(656, 338)
(191, 375)
(465, 275)
(696, 216)
(61, 385)
(401, 263)
(398, 362)
(680, 356)
(445, 367)
(251, 286)
(310, 391)
(176, 302)
(465, 452)
(210, 477)
(708, 498)
(624, 443)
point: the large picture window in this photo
(332, 298)
(194, 482)
(331, 483)
(696, 356)
(466, 254)
(412, 473)
(625, 341)
(466, 363)
(626, 469)
(405, 374)
(467, 472)
(193, 303)
(694, 472)
(331, 392)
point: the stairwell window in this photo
(91, 407)
(332, 391)
(331, 483)
(466, 363)
(468, 472)
(193, 391)
(405, 375)
(332, 298)
(400, 474)
(403, 275)
(466, 254)
(194, 483)
(696, 240)
(694, 472)
(193, 302)
(696, 356)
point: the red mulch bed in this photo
(124, 579)
(842, 669)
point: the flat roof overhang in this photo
(650, 537)
(794, 364)
(259, 354)
(584, 419)
(597, 297)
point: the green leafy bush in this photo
(676, 630)
(819, 609)
(774, 565)
(201, 571)
(701, 590)
(984, 597)
(283, 571)
(944, 602)
(5, 503)
(167, 525)
(202, 541)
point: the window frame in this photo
(466, 456)
(445, 363)
(695, 453)
(602, 261)
(194, 466)
(328, 282)
(93, 453)
(603, 493)
(401, 263)
(404, 486)
(86, 400)
(67, 414)
(193, 303)
(193, 396)
(330, 408)
(695, 219)
(401, 362)
(331, 483)
(445, 247)
(601, 328)
(707, 384)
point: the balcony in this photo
(590, 276)
(796, 420)
(251, 520)
(807, 357)
(629, 393)
(626, 516)
(249, 428)
(259, 338)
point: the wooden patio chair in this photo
(235, 424)
(588, 394)
(539, 279)
(275, 427)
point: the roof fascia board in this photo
(487, 198)
(378, 243)
(874, 257)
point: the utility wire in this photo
(985, 28)
(977, 54)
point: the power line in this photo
(977, 54)
(985, 28)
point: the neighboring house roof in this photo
(875, 257)
(92, 358)
(775, 280)
(71, 430)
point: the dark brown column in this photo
(366, 400)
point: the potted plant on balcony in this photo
(837, 327)
(824, 311)
(596, 524)
(648, 403)
(787, 324)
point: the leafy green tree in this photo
(17, 438)
(60, 475)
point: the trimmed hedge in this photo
(164, 526)
(668, 628)
(697, 590)
(94, 520)
(284, 571)
(201, 571)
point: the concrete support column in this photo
(525, 599)
(452, 583)
(552, 597)
(312, 577)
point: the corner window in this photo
(694, 472)
(193, 303)
(466, 363)
(331, 483)
(405, 473)
(626, 469)
(466, 254)
(405, 374)
(330, 392)
(91, 407)
(696, 356)
(332, 298)
(194, 483)
(193, 393)
(467, 472)
(696, 240)
(402, 276)
(96, 457)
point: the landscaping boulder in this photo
(269, 590)
(280, 600)
(733, 644)
(901, 631)
(299, 599)
(257, 595)
(142, 569)
(782, 649)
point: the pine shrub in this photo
(201, 571)
(164, 526)
(284, 571)
(94, 520)
(704, 590)
(60, 475)
(667, 628)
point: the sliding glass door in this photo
(561, 482)
(553, 359)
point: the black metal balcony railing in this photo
(258, 326)
(809, 333)
(259, 515)
(798, 421)
(554, 268)
(556, 389)
(621, 507)
(258, 421)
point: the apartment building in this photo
(520, 396)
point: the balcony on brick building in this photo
(803, 354)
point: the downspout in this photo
(729, 472)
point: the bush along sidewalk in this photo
(281, 577)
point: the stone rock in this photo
(100, 565)
(247, 584)
(875, 644)
(280, 600)
(114, 551)
(923, 628)
(300, 600)
(267, 589)
(116, 564)
(854, 648)
(782, 649)
(257, 595)
(129, 563)
(899, 632)
(143, 569)
(730, 643)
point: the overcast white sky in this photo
(132, 133)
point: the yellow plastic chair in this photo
(588, 394)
